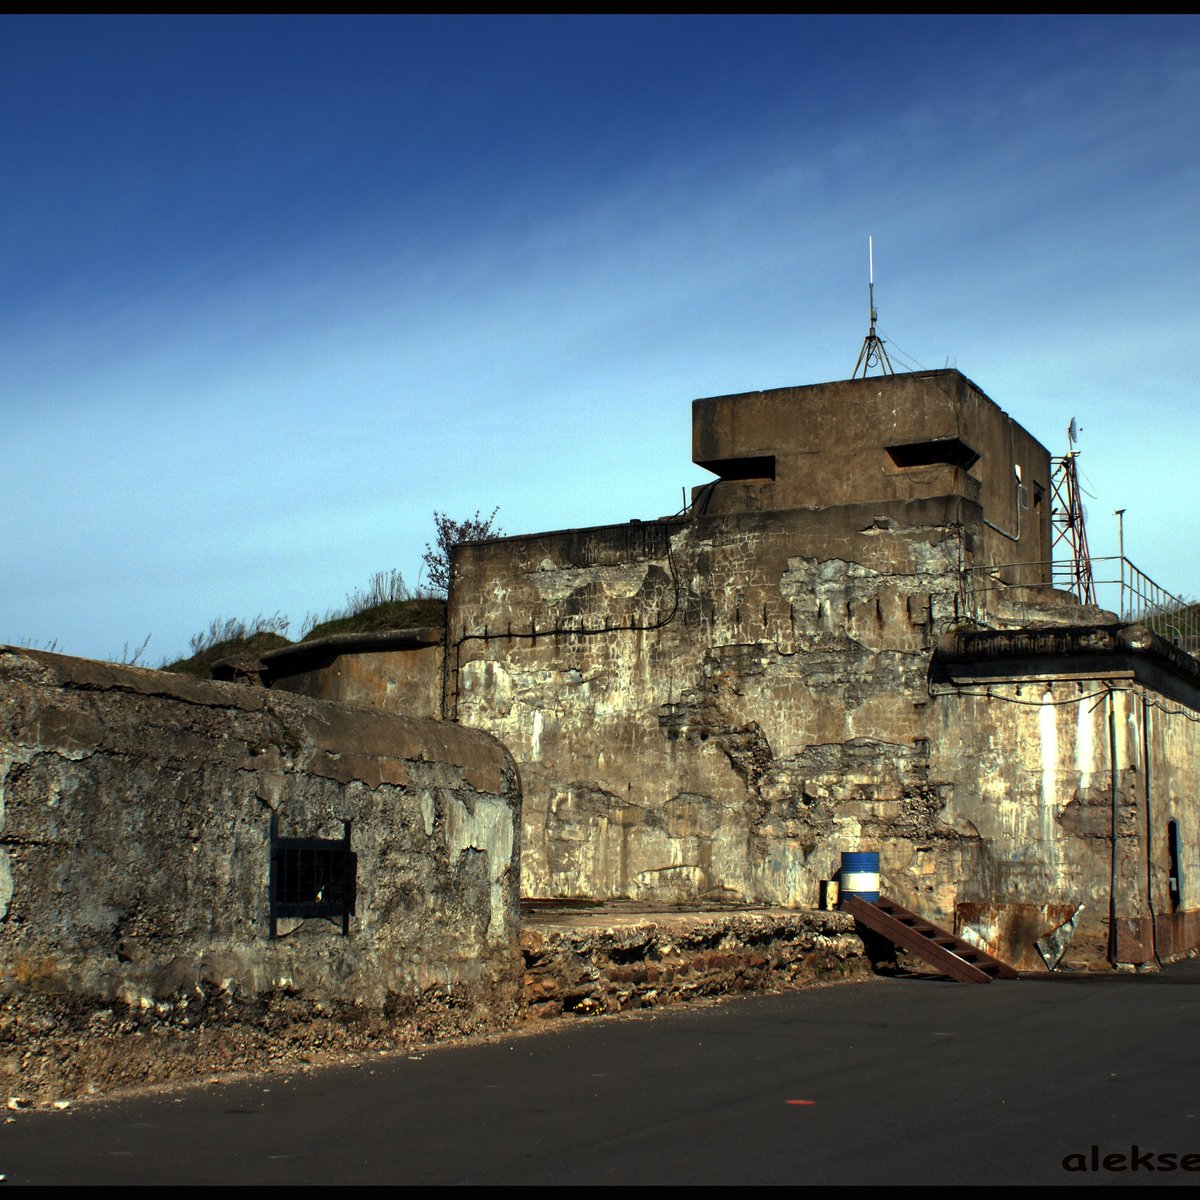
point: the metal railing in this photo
(1119, 587)
(1141, 599)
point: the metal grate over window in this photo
(312, 877)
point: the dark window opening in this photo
(312, 877)
(758, 469)
(951, 452)
(1174, 882)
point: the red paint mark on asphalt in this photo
(802, 1102)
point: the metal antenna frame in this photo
(1068, 521)
(872, 353)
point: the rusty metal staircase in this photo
(942, 950)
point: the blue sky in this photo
(277, 288)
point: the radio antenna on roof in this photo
(1068, 522)
(872, 353)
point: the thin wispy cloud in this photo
(267, 313)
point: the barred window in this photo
(312, 877)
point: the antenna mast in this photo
(872, 353)
(1067, 518)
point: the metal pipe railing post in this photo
(1120, 515)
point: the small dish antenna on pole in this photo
(872, 353)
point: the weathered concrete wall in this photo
(1073, 750)
(135, 809)
(1061, 785)
(400, 672)
(898, 437)
(706, 709)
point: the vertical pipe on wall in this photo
(1113, 946)
(1149, 828)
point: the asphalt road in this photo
(889, 1081)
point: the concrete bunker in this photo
(850, 639)
(707, 708)
(139, 812)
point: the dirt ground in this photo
(55, 1050)
(54, 1058)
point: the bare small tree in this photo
(450, 533)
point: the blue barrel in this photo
(859, 876)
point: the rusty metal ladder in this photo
(940, 949)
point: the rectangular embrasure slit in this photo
(952, 452)
(756, 469)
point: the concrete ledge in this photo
(981, 656)
(292, 657)
(1117, 642)
(616, 959)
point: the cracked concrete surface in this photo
(135, 812)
